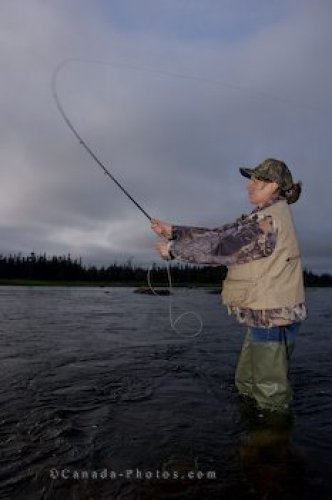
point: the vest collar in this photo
(272, 201)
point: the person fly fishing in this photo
(264, 284)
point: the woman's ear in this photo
(274, 187)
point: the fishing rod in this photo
(82, 142)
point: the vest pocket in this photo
(235, 293)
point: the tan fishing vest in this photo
(270, 282)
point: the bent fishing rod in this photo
(82, 142)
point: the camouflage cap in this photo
(273, 171)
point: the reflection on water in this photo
(273, 465)
(101, 399)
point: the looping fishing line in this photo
(178, 319)
(82, 142)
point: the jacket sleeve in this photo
(245, 240)
(192, 232)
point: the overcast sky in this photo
(192, 90)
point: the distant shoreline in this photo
(109, 284)
(103, 284)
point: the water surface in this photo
(100, 398)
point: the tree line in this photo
(64, 268)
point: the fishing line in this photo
(174, 322)
(199, 79)
(55, 75)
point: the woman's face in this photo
(260, 192)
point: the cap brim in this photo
(246, 172)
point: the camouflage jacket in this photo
(250, 237)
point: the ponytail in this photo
(293, 194)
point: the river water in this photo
(101, 399)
